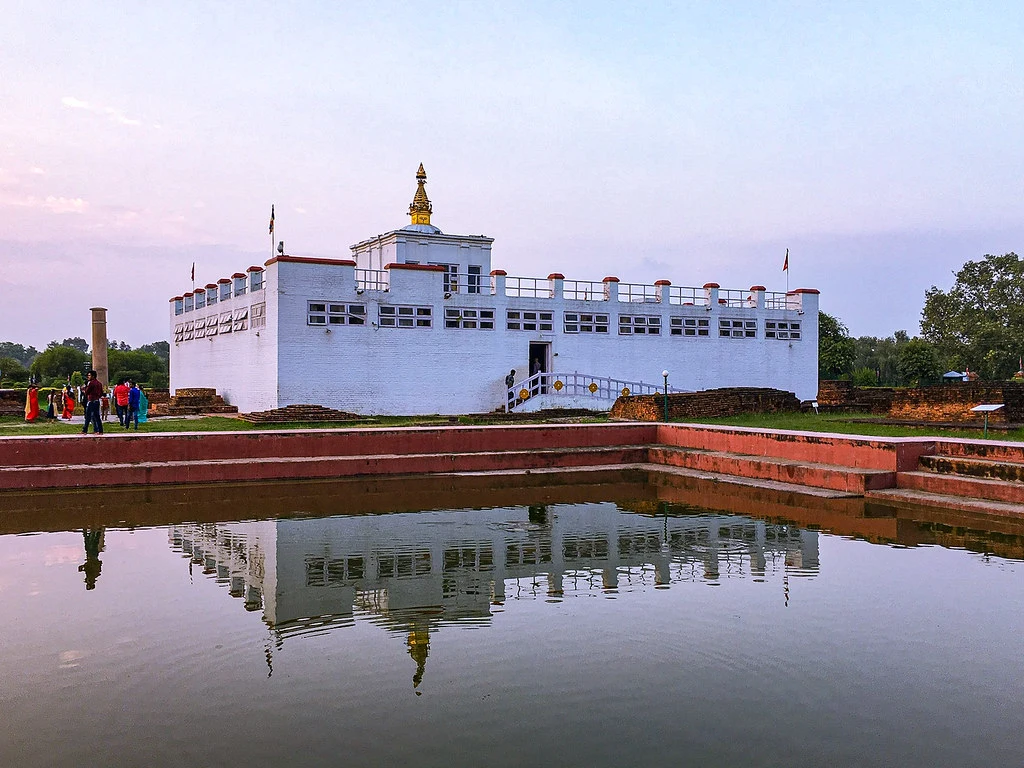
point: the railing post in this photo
(556, 281)
(498, 282)
(711, 294)
(756, 298)
(611, 288)
(663, 290)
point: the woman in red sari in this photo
(32, 403)
(69, 403)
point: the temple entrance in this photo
(540, 362)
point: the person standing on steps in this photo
(510, 381)
(91, 393)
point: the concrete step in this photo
(801, 473)
(993, 450)
(994, 469)
(964, 487)
(309, 467)
(921, 498)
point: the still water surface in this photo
(567, 634)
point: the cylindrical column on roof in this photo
(99, 344)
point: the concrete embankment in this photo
(985, 476)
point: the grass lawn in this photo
(13, 425)
(847, 424)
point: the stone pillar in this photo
(99, 344)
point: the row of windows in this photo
(223, 292)
(411, 316)
(240, 319)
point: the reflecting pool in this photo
(630, 631)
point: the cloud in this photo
(117, 115)
(50, 203)
(299, 210)
(35, 170)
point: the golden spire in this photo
(420, 209)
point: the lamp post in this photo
(665, 376)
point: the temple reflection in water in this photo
(415, 572)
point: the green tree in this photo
(836, 349)
(979, 322)
(159, 348)
(24, 355)
(59, 362)
(76, 342)
(13, 371)
(918, 362)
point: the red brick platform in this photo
(983, 476)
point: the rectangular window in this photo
(211, 296)
(188, 303)
(639, 325)
(226, 319)
(179, 306)
(473, 279)
(690, 326)
(241, 319)
(731, 328)
(451, 276)
(782, 329)
(316, 313)
(256, 281)
(258, 315)
(584, 322)
(200, 299)
(200, 326)
(346, 314)
(403, 316)
(456, 317)
(524, 320)
(225, 291)
(239, 286)
(189, 330)
(179, 332)
(211, 325)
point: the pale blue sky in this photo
(880, 142)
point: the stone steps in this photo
(850, 480)
(310, 467)
(299, 413)
(962, 486)
(903, 496)
(974, 467)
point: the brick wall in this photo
(942, 402)
(708, 404)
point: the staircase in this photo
(585, 391)
(965, 475)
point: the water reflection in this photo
(413, 573)
(92, 565)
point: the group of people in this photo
(130, 402)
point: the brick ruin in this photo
(949, 403)
(708, 404)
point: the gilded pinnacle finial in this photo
(420, 209)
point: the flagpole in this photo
(271, 231)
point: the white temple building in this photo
(417, 322)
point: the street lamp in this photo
(665, 376)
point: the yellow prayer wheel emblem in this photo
(625, 391)
(592, 387)
(558, 385)
(524, 393)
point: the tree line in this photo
(977, 325)
(70, 358)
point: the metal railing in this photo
(729, 297)
(774, 300)
(679, 294)
(578, 384)
(586, 290)
(528, 287)
(372, 280)
(640, 293)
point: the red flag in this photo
(785, 264)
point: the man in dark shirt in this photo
(92, 393)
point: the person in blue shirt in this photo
(134, 398)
